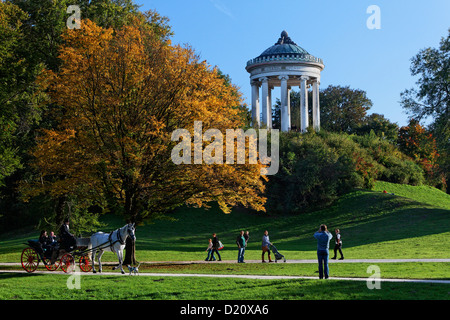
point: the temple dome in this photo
(284, 50)
(283, 46)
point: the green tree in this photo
(343, 109)
(382, 127)
(431, 98)
(19, 95)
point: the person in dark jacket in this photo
(44, 239)
(215, 247)
(68, 240)
(42, 245)
(338, 245)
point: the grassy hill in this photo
(412, 223)
(423, 194)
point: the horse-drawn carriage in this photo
(55, 257)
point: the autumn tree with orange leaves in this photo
(122, 93)
(418, 143)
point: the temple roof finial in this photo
(284, 39)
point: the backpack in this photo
(220, 245)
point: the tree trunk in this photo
(59, 210)
(130, 252)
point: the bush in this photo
(314, 171)
(317, 168)
(396, 167)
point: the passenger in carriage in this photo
(52, 238)
(45, 246)
(43, 238)
(47, 242)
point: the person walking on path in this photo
(338, 245)
(240, 241)
(209, 250)
(323, 242)
(265, 246)
(215, 248)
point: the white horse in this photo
(114, 242)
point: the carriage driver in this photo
(68, 240)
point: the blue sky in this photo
(227, 33)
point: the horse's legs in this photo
(93, 260)
(120, 256)
(99, 257)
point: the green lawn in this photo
(373, 225)
(412, 223)
(54, 287)
(423, 194)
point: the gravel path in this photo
(235, 276)
(262, 277)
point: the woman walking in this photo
(215, 248)
(338, 245)
(266, 246)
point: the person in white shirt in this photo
(338, 245)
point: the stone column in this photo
(265, 101)
(255, 104)
(316, 105)
(304, 103)
(284, 104)
(269, 125)
(289, 108)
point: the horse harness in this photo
(119, 239)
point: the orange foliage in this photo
(123, 93)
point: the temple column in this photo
(316, 106)
(265, 101)
(289, 108)
(255, 104)
(304, 103)
(269, 121)
(284, 104)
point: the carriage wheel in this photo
(67, 263)
(52, 267)
(30, 259)
(85, 263)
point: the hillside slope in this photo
(424, 194)
(373, 224)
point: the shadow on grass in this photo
(364, 217)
